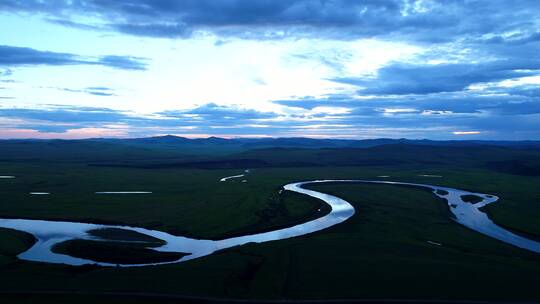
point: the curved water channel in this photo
(50, 233)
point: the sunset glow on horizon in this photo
(321, 69)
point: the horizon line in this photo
(265, 137)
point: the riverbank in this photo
(383, 250)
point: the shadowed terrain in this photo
(384, 249)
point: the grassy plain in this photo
(382, 252)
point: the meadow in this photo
(401, 243)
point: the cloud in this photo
(466, 72)
(12, 56)
(310, 102)
(466, 132)
(496, 115)
(426, 20)
(122, 62)
(518, 38)
(174, 30)
(206, 118)
(97, 91)
(73, 24)
(4, 73)
(213, 113)
(65, 114)
(523, 90)
(509, 101)
(404, 79)
(373, 118)
(67, 134)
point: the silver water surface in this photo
(50, 233)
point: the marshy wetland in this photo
(78, 244)
(402, 242)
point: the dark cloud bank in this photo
(480, 43)
(11, 56)
(427, 20)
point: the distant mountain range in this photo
(174, 146)
(304, 142)
(516, 157)
(291, 142)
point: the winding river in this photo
(50, 233)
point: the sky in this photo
(353, 69)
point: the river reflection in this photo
(50, 233)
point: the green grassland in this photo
(13, 242)
(118, 234)
(382, 252)
(188, 202)
(471, 198)
(122, 247)
(115, 252)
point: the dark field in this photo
(114, 252)
(382, 252)
(14, 242)
(471, 198)
(117, 234)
